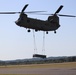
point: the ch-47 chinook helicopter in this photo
(51, 24)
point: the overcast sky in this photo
(17, 43)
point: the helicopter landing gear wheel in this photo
(36, 30)
(29, 30)
(47, 32)
(55, 32)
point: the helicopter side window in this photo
(50, 18)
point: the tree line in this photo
(39, 61)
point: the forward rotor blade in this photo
(43, 14)
(20, 12)
(34, 11)
(59, 9)
(9, 12)
(24, 7)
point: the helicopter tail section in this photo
(53, 19)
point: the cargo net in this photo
(35, 47)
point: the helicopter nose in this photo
(17, 22)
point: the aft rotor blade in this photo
(24, 7)
(57, 14)
(59, 9)
(66, 15)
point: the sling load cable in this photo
(35, 47)
(43, 45)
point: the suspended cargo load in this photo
(39, 55)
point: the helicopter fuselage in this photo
(36, 24)
(51, 24)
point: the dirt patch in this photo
(41, 69)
